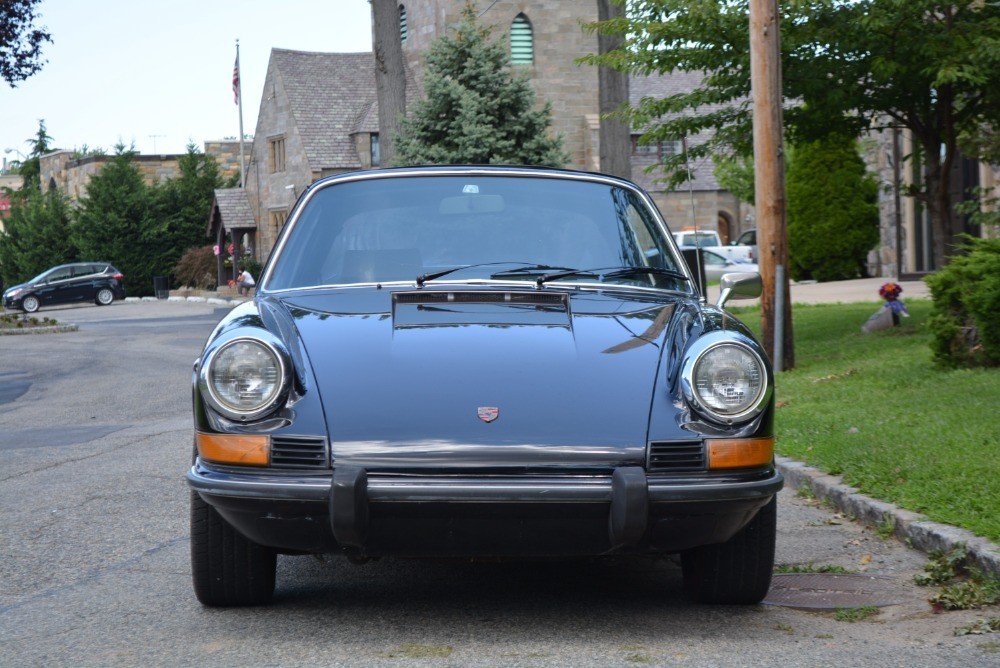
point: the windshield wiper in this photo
(423, 278)
(602, 273)
(563, 274)
(659, 271)
(530, 269)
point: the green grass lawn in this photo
(874, 409)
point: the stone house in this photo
(69, 172)
(318, 112)
(905, 247)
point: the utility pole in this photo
(769, 191)
(390, 75)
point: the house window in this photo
(277, 219)
(402, 24)
(277, 150)
(376, 151)
(656, 149)
(522, 47)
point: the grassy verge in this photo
(874, 409)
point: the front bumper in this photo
(465, 515)
(472, 489)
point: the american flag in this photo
(236, 81)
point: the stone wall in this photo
(227, 153)
(271, 193)
(715, 210)
(558, 42)
(72, 175)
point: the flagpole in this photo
(239, 101)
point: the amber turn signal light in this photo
(739, 453)
(240, 449)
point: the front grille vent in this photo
(294, 452)
(670, 456)
(481, 297)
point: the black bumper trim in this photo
(469, 489)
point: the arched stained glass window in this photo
(522, 46)
(402, 24)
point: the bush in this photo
(966, 319)
(832, 210)
(197, 268)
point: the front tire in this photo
(228, 569)
(104, 297)
(30, 304)
(737, 571)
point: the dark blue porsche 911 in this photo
(482, 362)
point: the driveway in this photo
(94, 546)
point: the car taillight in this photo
(119, 277)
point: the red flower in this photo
(890, 291)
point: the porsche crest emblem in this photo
(488, 413)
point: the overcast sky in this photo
(158, 73)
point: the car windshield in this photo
(49, 275)
(699, 239)
(477, 226)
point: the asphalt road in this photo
(95, 436)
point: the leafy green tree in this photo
(476, 110)
(20, 41)
(115, 222)
(36, 236)
(735, 174)
(832, 210)
(928, 66)
(181, 209)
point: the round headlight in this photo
(245, 378)
(726, 380)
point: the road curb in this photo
(913, 528)
(48, 329)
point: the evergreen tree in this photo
(36, 236)
(182, 208)
(31, 168)
(476, 111)
(832, 210)
(115, 222)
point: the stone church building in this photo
(318, 116)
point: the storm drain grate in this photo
(829, 591)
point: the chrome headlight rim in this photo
(263, 410)
(697, 352)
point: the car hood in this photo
(404, 376)
(19, 286)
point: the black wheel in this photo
(30, 304)
(104, 297)
(228, 568)
(737, 571)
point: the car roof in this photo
(482, 170)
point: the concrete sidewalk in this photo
(834, 292)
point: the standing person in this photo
(244, 282)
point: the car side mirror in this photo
(739, 285)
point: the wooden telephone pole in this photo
(769, 189)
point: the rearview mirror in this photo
(739, 285)
(472, 204)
